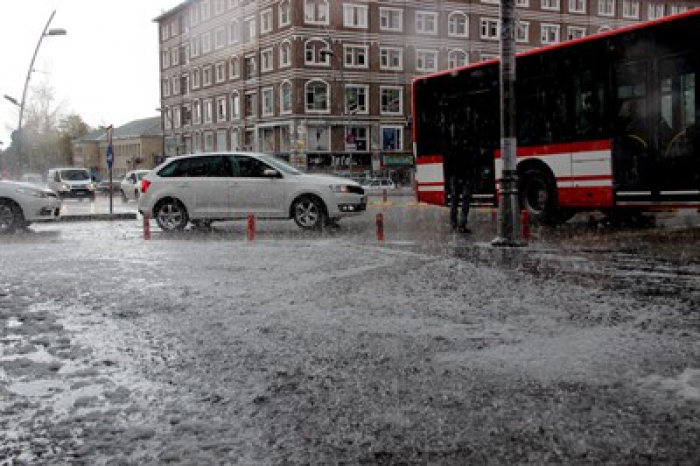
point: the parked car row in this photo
(198, 189)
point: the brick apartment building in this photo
(326, 83)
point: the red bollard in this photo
(494, 215)
(380, 227)
(525, 220)
(146, 227)
(386, 199)
(251, 227)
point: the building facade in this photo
(325, 84)
(136, 145)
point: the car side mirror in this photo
(270, 173)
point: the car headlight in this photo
(32, 192)
(340, 188)
(91, 186)
(64, 187)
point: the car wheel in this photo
(171, 215)
(309, 212)
(124, 198)
(11, 217)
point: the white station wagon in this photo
(205, 188)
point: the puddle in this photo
(13, 322)
(37, 388)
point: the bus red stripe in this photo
(558, 149)
(428, 159)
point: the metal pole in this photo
(509, 217)
(24, 92)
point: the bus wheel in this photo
(537, 195)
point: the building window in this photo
(177, 117)
(488, 56)
(194, 47)
(317, 96)
(221, 109)
(426, 22)
(391, 58)
(268, 101)
(676, 9)
(166, 87)
(550, 34)
(522, 3)
(235, 139)
(550, 5)
(208, 108)
(318, 138)
(356, 100)
(285, 13)
(286, 97)
(205, 10)
(207, 73)
(196, 78)
(457, 58)
(220, 38)
(175, 85)
(164, 32)
(457, 25)
(357, 138)
(522, 32)
(234, 33)
(267, 140)
(390, 19)
(606, 7)
(391, 100)
(630, 9)
(209, 141)
(355, 56)
(220, 72)
(234, 68)
(392, 138)
(266, 21)
(355, 16)
(426, 60)
(251, 105)
(574, 32)
(266, 59)
(221, 140)
(218, 7)
(194, 16)
(316, 12)
(197, 108)
(165, 59)
(490, 28)
(285, 54)
(313, 55)
(250, 29)
(235, 105)
(577, 6)
(206, 42)
(655, 10)
(251, 70)
(175, 56)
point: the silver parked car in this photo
(23, 203)
(204, 188)
(131, 184)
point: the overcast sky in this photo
(105, 69)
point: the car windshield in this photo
(279, 165)
(141, 175)
(75, 175)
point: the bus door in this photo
(677, 177)
(633, 145)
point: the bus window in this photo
(589, 107)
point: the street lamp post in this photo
(45, 33)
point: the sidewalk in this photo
(73, 210)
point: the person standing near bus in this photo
(460, 187)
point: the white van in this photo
(73, 183)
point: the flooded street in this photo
(296, 348)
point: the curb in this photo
(93, 217)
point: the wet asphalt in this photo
(426, 347)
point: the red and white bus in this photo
(609, 122)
